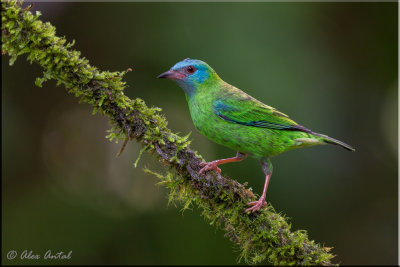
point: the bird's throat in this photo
(187, 86)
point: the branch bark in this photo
(265, 236)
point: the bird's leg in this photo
(256, 205)
(213, 165)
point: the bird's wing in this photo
(246, 110)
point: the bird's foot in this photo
(213, 165)
(256, 205)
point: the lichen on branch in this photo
(264, 236)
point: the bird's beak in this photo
(172, 75)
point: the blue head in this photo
(189, 74)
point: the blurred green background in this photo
(331, 66)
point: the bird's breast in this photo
(203, 116)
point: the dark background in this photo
(331, 66)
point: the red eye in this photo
(190, 69)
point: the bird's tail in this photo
(330, 140)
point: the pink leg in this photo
(213, 165)
(256, 205)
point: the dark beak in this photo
(172, 75)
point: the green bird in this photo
(230, 117)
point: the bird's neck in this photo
(193, 88)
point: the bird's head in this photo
(190, 74)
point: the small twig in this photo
(124, 144)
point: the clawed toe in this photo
(257, 205)
(208, 166)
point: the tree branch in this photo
(263, 236)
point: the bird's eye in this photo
(190, 69)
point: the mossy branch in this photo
(262, 237)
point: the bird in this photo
(230, 117)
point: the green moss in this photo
(264, 236)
